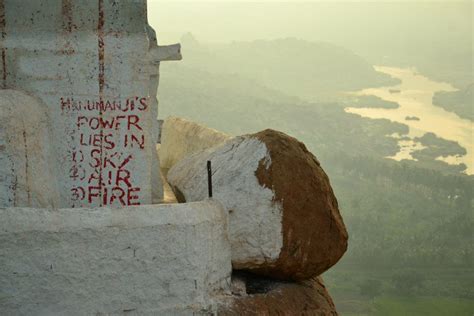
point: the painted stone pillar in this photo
(95, 64)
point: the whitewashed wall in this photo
(145, 260)
(95, 65)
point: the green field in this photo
(377, 291)
(423, 306)
(407, 306)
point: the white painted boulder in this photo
(284, 220)
(27, 174)
(180, 138)
(145, 260)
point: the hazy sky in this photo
(334, 21)
(327, 1)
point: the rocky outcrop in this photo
(269, 297)
(180, 138)
(27, 177)
(284, 217)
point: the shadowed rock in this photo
(269, 297)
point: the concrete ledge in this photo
(170, 259)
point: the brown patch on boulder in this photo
(314, 235)
(282, 298)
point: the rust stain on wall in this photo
(67, 15)
(68, 26)
(3, 49)
(4, 65)
(13, 184)
(27, 178)
(101, 48)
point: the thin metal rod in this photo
(209, 178)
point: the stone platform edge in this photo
(146, 260)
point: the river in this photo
(415, 96)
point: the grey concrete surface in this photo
(145, 260)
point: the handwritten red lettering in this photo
(105, 136)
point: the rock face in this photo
(180, 138)
(284, 217)
(275, 298)
(27, 175)
(142, 260)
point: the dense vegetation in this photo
(371, 101)
(460, 102)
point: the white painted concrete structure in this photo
(145, 260)
(95, 65)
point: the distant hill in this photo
(314, 71)
(433, 36)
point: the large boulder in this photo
(180, 138)
(284, 217)
(27, 175)
(267, 297)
